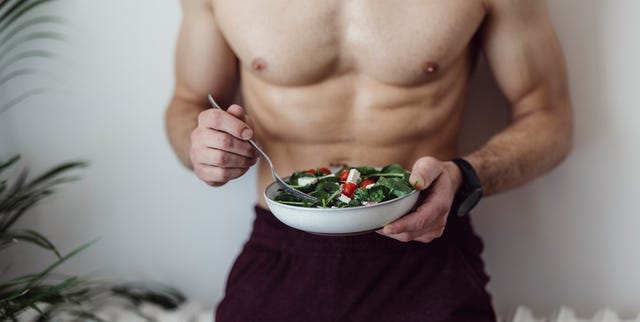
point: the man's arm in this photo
(204, 64)
(525, 56)
(211, 142)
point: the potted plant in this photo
(47, 294)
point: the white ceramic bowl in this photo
(339, 221)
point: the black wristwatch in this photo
(470, 190)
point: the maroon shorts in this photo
(287, 275)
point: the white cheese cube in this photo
(344, 198)
(305, 181)
(353, 176)
(369, 186)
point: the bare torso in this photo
(352, 82)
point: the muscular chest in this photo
(306, 41)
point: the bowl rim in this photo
(318, 209)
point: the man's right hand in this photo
(220, 151)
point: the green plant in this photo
(72, 295)
(17, 27)
(47, 294)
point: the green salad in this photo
(349, 187)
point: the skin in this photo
(368, 83)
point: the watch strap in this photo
(470, 190)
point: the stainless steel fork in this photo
(280, 181)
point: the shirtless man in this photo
(365, 83)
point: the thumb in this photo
(425, 171)
(237, 111)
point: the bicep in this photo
(525, 56)
(204, 61)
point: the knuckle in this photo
(203, 117)
(226, 141)
(248, 150)
(220, 158)
(222, 175)
(214, 118)
(428, 162)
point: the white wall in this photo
(571, 236)
(567, 238)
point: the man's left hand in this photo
(429, 219)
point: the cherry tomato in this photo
(348, 189)
(325, 171)
(311, 171)
(344, 174)
(366, 182)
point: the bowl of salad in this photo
(351, 200)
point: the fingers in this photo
(231, 122)
(429, 220)
(428, 216)
(204, 138)
(219, 148)
(217, 176)
(220, 158)
(425, 171)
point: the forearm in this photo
(529, 147)
(181, 118)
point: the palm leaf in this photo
(41, 20)
(21, 98)
(44, 293)
(42, 275)
(18, 73)
(15, 190)
(23, 195)
(16, 207)
(18, 10)
(36, 35)
(16, 281)
(35, 53)
(9, 163)
(12, 237)
(166, 297)
(58, 170)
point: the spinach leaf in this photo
(354, 203)
(393, 168)
(376, 193)
(398, 186)
(333, 179)
(392, 182)
(289, 199)
(365, 171)
(327, 187)
(325, 192)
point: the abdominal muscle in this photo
(353, 120)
